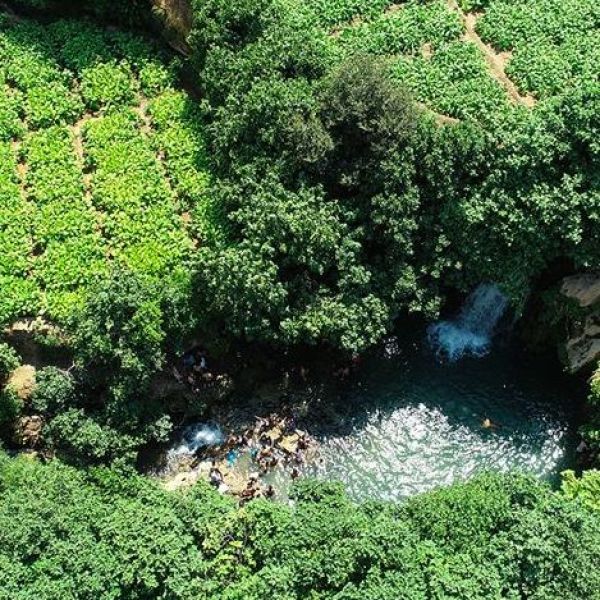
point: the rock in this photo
(584, 289)
(180, 480)
(22, 381)
(583, 347)
(275, 433)
(289, 443)
(176, 17)
(28, 431)
(584, 350)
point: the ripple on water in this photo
(419, 425)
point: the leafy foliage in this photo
(555, 44)
(54, 391)
(68, 533)
(107, 85)
(405, 30)
(586, 489)
(50, 104)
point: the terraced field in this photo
(100, 163)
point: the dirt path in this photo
(496, 62)
(86, 177)
(77, 131)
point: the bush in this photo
(54, 391)
(85, 440)
(9, 361)
(11, 407)
(119, 336)
(586, 489)
(98, 532)
(108, 85)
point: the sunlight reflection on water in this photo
(405, 430)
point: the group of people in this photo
(272, 441)
(253, 490)
(193, 369)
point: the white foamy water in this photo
(472, 331)
(195, 437)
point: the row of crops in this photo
(428, 53)
(101, 162)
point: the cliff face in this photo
(583, 346)
(176, 18)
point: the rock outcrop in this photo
(22, 381)
(583, 346)
(584, 289)
(28, 431)
(176, 19)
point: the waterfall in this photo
(197, 436)
(471, 332)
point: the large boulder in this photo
(22, 381)
(584, 289)
(28, 431)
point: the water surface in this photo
(408, 423)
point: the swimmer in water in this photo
(488, 424)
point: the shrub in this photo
(54, 391)
(11, 407)
(108, 85)
(85, 440)
(9, 361)
(119, 335)
(585, 489)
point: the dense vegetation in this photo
(307, 199)
(339, 166)
(65, 534)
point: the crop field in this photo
(474, 58)
(101, 155)
(100, 163)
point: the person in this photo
(303, 442)
(488, 424)
(298, 456)
(216, 477)
(582, 447)
(265, 453)
(247, 494)
(295, 473)
(188, 360)
(270, 492)
(232, 457)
